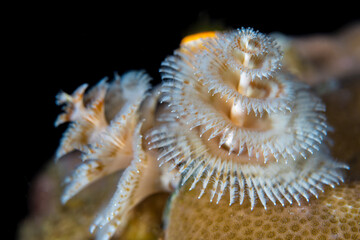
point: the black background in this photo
(59, 47)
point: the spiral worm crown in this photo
(252, 128)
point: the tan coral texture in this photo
(334, 215)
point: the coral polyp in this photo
(227, 119)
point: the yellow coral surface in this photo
(334, 215)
